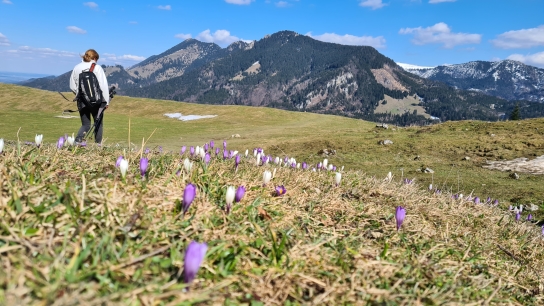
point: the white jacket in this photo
(100, 75)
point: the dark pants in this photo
(85, 114)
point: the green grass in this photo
(66, 237)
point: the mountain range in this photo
(507, 79)
(292, 71)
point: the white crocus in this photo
(330, 167)
(389, 177)
(187, 165)
(202, 153)
(1, 145)
(229, 197)
(277, 160)
(337, 178)
(342, 169)
(325, 163)
(38, 139)
(234, 153)
(247, 152)
(258, 162)
(267, 176)
(70, 140)
(254, 152)
(298, 166)
(274, 173)
(123, 166)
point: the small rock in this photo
(386, 142)
(466, 158)
(417, 158)
(514, 175)
(428, 170)
(492, 135)
(382, 125)
(532, 207)
(235, 136)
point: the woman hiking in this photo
(82, 91)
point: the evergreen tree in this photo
(515, 113)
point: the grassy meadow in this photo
(74, 232)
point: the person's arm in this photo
(103, 82)
(73, 81)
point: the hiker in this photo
(86, 109)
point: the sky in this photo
(48, 37)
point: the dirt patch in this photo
(387, 78)
(522, 165)
(401, 106)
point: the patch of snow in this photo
(179, 116)
(410, 66)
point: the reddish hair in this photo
(90, 55)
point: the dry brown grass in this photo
(62, 243)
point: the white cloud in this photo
(376, 42)
(4, 41)
(440, 33)
(239, 2)
(124, 60)
(536, 59)
(76, 30)
(42, 52)
(6, 2)
(165, 7)
(373, 4)
(525, 38)
(92, 5)
(183, 36)
(440, 1)
(220, 37)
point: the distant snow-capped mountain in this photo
(506, 79)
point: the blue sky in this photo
(47, 37)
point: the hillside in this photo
(510, 80)
(296, 72)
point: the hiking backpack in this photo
(89, 89)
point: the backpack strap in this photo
(92, 67)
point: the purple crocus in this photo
(217, 150)
(496, 202)
(400, 214)
(146, 151)
(118, 162)
(236, 162)
(225, 154)
(304, 166)
(280, 190)
(240, 192)
(518, 216)
(476, 200)
(160, 149)
(206, 147)
(212, 143)
(224, 144)
(194, 255)
(192, 150)
(207, 158)
(183, 150)
(144, 162)
(542, 230)
(188, 196)
(530, 217)
(60, 142)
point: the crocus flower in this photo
(70, 140)
(38, 139)
(325, 163)
(239, 194)
(188, 196)
(496, 202)
(518, 216)
(304, 166)
(1, 145)
(225, 154)
(182, 150)
(400, 214)
(236, 162)
(318, 166)
(118, 162)
(224, 144)
(247, 152)
(194, 255)
(207, 158)
(217, 150)
(192, 150)
(542, 230)
(147, 151)
(212, 143)
(476, 200)
(144, 162)
(430, 186)
(409, 181)
(267, 176)
(274, 173)
(229, 197)
(123, 167)
(530, 217)
(206, 147)
(337, 178)
(160, 149)
(187, 165)
(60, 142)
(280, 190)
